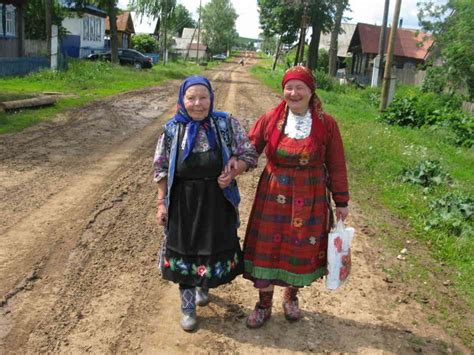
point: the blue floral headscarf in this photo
(183, 117)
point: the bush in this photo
(402, 112)
(426, 173)
(413, 108)
(144, 43)
(323, 60)
(453, 213)
(434, 81)
(324, 81)
(371, 95)
(463, 128)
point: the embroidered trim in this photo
(219, 269)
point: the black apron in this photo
(202, 247)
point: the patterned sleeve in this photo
(161, 160)
(336, 164)
(241, 146)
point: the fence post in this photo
(375, 71)
(54, 47)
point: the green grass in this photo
(376, 154)
(84, 82)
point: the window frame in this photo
(10, 21)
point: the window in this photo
(99, 30)
(85, 28)
(10, 23)
(91, 28)
(1, 20)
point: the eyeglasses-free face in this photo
(197, 101)
(297, 96)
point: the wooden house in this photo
(125, 29)
(12, 28)
(187, 46)
(411, 47)
(86, 29)
(343, 41)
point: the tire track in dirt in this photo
(38, 247)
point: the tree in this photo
(284, 18)
(281, 20)
(341, 5)
(157, 9)
(218, 22)
(269, 44)
(112, 10)
(452, 28)
(322, 18)
(145, 43)
(35, 27)
(180, 19)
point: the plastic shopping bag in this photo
(339, 255)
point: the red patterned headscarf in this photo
(280, 112)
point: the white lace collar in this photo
(298, 127)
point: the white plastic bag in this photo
(339, 255)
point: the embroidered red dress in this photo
(286, 238)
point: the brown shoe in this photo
(259, 316)
(292, 311)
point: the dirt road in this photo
(79, 240)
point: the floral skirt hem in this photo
(281, 277)
(202, 271)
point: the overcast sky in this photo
(362, 11)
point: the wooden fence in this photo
(408, 76)
(468, 107)
(22, 65)
(35, 48)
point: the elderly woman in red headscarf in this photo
(287, 233)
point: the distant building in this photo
(146, 25)
(187, 46)
(125, 30)
(411, 47)
(343, 41)
(86, 29)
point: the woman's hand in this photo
(233, 164)
(162, 214)
(225, 179)
(342, 213)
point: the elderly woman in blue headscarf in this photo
(197, 158)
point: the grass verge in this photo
(83, 82)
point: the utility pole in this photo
(387, 77)
(199, 32)
(383, 36)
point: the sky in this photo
(367, 11)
